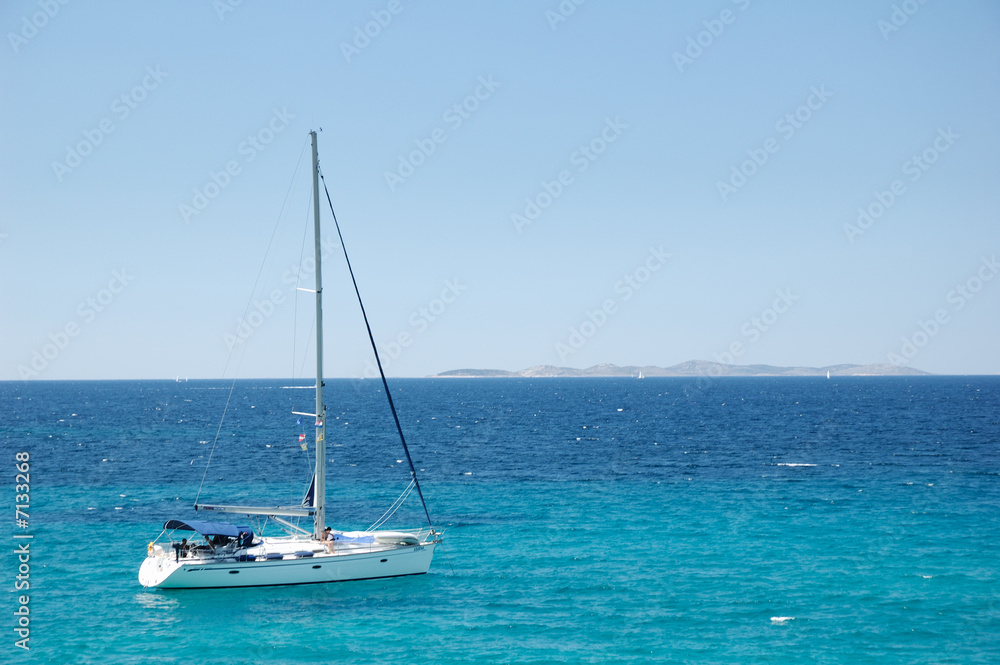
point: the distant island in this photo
(691, 368)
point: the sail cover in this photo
(208, 528)
(309, 500)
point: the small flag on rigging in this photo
(319, 423)
(302, 437)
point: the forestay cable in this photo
(378, 361)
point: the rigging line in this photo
(298, 277)
(305, 352)
(246, 310)
(393, 508)
(216, 440)
(378, 361)
(309, 462)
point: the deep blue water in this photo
(586, 520)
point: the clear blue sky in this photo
(115, 114)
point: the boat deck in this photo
(285, 547)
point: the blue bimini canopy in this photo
(208, 528)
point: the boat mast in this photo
(319, 495)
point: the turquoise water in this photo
(591, 521)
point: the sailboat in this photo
(233, 555)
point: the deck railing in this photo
(234, 553)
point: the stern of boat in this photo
(157, 568)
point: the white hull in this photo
(162, 570)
